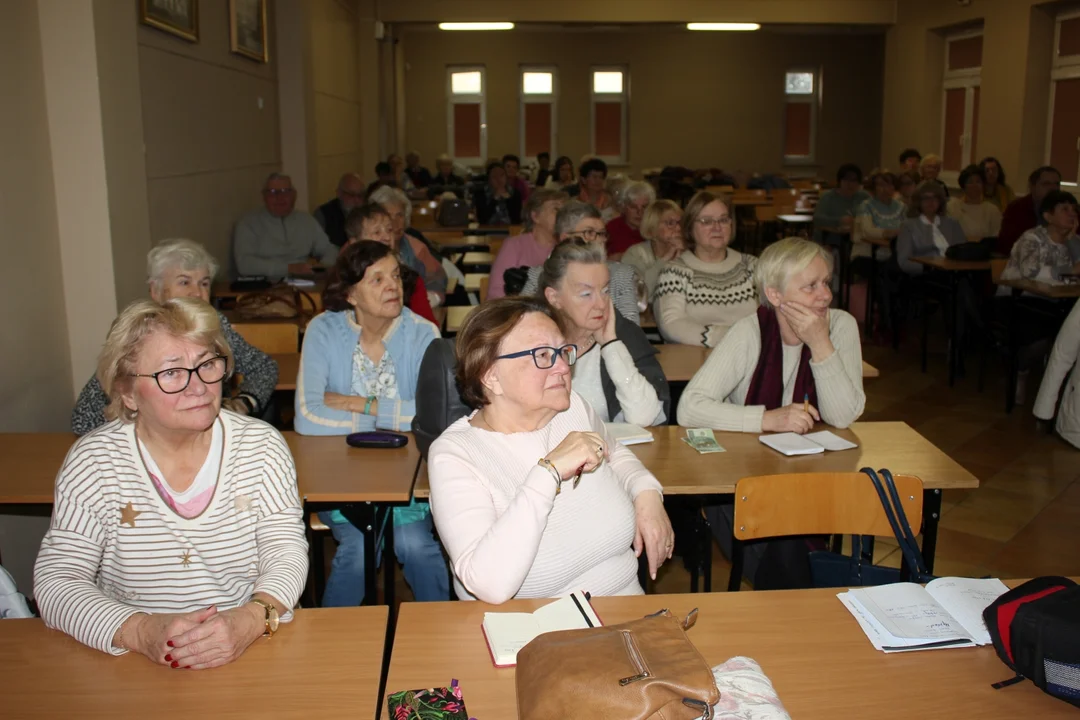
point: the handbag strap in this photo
(901, 516)
(909, 549)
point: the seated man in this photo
(267, 241)
(384, 175)
(331, 215)
(419, 176)
(1023, 214)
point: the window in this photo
(539, 88)
(610, 95)
(801, 93)
(1063, 133)
(467, 113)
(960, 109)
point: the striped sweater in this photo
(115, 548)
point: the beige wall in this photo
(210, 121)
(1015, 80)
(336, 88)
(698, 99)
(35, 368)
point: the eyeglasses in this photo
(723, 221)
(590, 235)
(671, 224)
(175, 380)
(545, 357)
(279, 191)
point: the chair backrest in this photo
(818, 504)
(455, 316)
(485, 281)
(438, 402)
(271, 337)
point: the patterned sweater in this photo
(115, 548)
(259, 370)
(698, 302)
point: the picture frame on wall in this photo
(247, 29)
(176, 17)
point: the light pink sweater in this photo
(509, 536)
(520, 250)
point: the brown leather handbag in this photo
(645, 669)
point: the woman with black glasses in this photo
(531, 495)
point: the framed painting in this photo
(176, 17)
(247, 28)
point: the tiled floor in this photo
(1023, 520)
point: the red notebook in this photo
(506, 633)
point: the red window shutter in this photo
(1065, 132)
(537, 128)
(607, 135)
(975, 126)
(1069, 42)
(954, 128)
(966, 53)
(466, 130)
(797, 126)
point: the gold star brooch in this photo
(128, 514)
(186, 560)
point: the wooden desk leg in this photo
(925, 318)
(954, 324)
(931, 510)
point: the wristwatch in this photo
(271, 617)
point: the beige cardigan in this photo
(1063, 368)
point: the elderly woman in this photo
(661, 226)
(906, 182)
(1063, 369)
(358, 372)
(835, 213)
(978, 217)
(879, 217)
(412, 249)
(532, 497)
(562, 177)
(530, 248)
(581, 221)
(1050, 250)
(182, 268)
(625, 231)
(498, 203)
(592, 187)
(371, 222)
(792, 350)
(709, 287)
(616, 371)
(177, 530)
(928, 230)
(997, 191)
(930, 169)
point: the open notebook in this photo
(506, 633)
(790, 443)
(905, 616)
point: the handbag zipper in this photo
(635, 659)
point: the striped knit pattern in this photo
(506, 531)
(697, 302)
(94, 570)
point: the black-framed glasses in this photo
(545, 356)
(589, 235)
(175, 380)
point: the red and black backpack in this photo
(1036, 632)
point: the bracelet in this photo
(367, 405)
(120, 633)
(545, 463)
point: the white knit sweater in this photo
(115, 548)
(698, 302)
(507, 533)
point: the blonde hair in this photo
(188, 319)
(650, 224)
(930, 159)
(179, 253)
(783, 259)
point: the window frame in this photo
(966, 79)
(1061, 68)
(813, 99)
(624, 99)
(551, 99)
(466, 99)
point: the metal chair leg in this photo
(735, 579)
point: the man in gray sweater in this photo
(270, 239)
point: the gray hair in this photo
(179, 253)
(566, 252)
(387, 195)
(538, 198)
(347, 176)
(572, 213)
(276, 176)
(783, 259)
(635, 190)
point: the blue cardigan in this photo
(326, 365)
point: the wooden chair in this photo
(455, 317)
(317, 532)
(474, 282)
(720, 189)
(445, 237)
(485, 281)
(769, 506)
(271, 336)
(495, 245)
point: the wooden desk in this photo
(325, 659)
(680, 362)
(647, 321)
(809, 645)
(1044, 290)
(328, 471)
(31, 464)
(288, 369)
(456, 314)
(952, 270)
(271, 335)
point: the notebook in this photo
(902, 617)
(628, 434)
(506, 633)
(790, 443)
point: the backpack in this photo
(1036, 632)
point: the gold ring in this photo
(600, 450)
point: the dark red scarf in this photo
(767, 385)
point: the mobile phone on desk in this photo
(377, 439)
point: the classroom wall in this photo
(1015, 80)
(698, 99)
(211, 130)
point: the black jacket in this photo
(332, 218)
(644, 354)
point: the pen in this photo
(806, 403)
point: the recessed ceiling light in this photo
(737, 27)
(476, 26)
